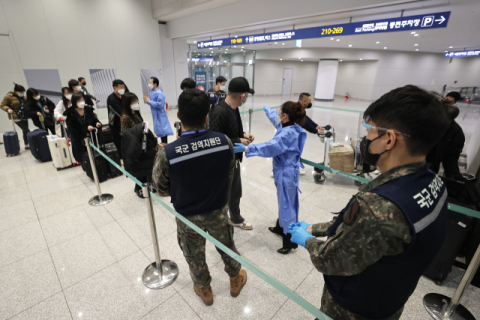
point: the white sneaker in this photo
(244, 225)
(302, 172)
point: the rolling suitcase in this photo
(106, 134)
(100, 165)
(459, 226)
(75, 163)
(38, 143)
(112, 152)
(11, 142)
(60, 152)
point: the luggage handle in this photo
(13, 124)
(42, 121)
(62, 123)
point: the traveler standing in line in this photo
(306, 101)
(81, 120)
(83, 84)
(225, 118)
(188, 83)
(196, 170)
(14, 104)
(217, 93)
(75, 86)
(393, 228)
(285, 148)
(156, 100)
(39, 107)
(114, 105)
(62, 105)
(452, 98)
(136, 163)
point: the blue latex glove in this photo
(300, 236)
(239, 148)
(293, 227)
(265, 108)
(302, 225)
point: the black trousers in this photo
(287, 243)
(24, 126)
(235, 195)
(117, 139)
(164, 139)
(142, 180)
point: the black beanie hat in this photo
(18, 88)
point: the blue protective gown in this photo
(161, 125)
(286, 148)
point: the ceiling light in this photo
(210, 48)
(413, 32)
(194, 41)
(234, 46)
(332, 38)
(417, 49)
(384, 47)
(361, 59)
(243, 47)
(338, 39)
(226, 49)
(416, 44)
(236, 36)
(302, 60)
(349, 45)
(281, 59)
(416, 35)
(194, 51)
(451, 47)
(341, 60)
(283, 43)
(446, 51)
(377, 42)
(276, 42)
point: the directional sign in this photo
(422, 22)
(461, 54)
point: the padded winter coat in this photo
(11, 101)
(135, 162)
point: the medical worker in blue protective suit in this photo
(156, 100)
(286, 148)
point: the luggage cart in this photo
(363, 169)
(328, 133)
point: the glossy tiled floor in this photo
(63, 259)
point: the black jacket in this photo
(310, 125)
(137, 163)
(221, 120)
(31, 110)
(116, 103)
(77, 127)
(447, 151)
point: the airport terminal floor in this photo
(64, 259)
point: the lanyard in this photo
(233, 112)
(193, 132)
(218, 99)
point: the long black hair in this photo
(30, 93)
(127, 99)
(65, 100)
(75, 98)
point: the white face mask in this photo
(79, 88)
(135, 107)
(279, 120)
(20, 95)
(150, 86)
(121, 92)
(81, 105)
(37, 97)
(222, 88)
(68, 96)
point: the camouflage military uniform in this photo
(373, 227)
(216, 223)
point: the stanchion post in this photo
(100, 199)
(441, 307)
(250, 111)
(161, 273)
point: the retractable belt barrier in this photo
(280, 287)
(451, 206)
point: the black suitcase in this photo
(106, 136)
(100, 162)
(459, 227)
(11, 142)
(112, 152)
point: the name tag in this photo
(212, 95)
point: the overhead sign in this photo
(202, 59)
(424, 21)
(460, 54)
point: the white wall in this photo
(269, 76)
(74, 36)
(394, 68)
(357, 78)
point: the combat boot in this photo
(237, 283)
(205, 294)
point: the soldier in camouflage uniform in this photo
(196, 171)
(389, 232)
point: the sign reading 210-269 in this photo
(422, 21)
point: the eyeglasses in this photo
(369, 126)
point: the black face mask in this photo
(84, 84)
(309, 106)
(372, 158)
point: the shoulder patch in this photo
(351, 213)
